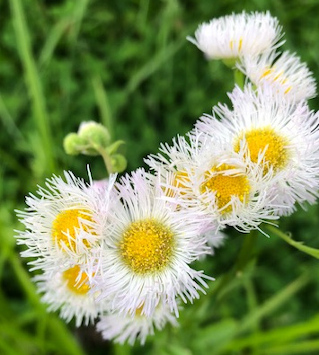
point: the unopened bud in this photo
(119, 163)
(73, 144)
(94, 133)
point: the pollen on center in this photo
(265, 139)
(226, 185)
(78, 286)
(147, 246)
(66, 225)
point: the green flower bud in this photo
(119, 163)
(73, 144)
(94, 134)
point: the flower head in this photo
(68, 290)
(210, 178)
(285, 73)
(276, 134)
(146, 260)
(65, 222)
(238, 35)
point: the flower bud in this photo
(94, 133)
(73, 144)
(119, 163)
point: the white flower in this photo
(68, 290)
(145, 263)
(238, 35)
(284, 136)
(65, 222)
(285, 73)
(212, 179)
(129, 328)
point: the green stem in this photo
(239, 78)
(106, 157)
(298, 245)
(244, 256)
(246, 250)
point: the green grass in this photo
(129, 63)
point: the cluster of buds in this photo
(94, 139)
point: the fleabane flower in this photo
(238, 35)
(285, 73)
(68, 290)
(64, 222)
(210, 178)
(277, 134)
(137, 327)
(146, 261)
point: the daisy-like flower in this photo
(130, 328)
(285, 73)
(284, 136)
(212, 179)
(64, 221)
(68, 290)
(238, 35)
(145, 263)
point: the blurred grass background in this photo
(64, 62)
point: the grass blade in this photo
(33, 83)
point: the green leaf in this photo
(112, 149)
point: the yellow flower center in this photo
(147, 246)
(80, 286)
(67, 223)
(226, 186)
(265, 139)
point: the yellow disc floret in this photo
(147, 246)
(265, 139)
(66, 224)
(226, 185)
(80, 286)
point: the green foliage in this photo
(127, 64)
